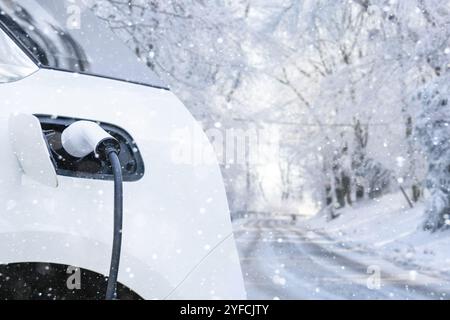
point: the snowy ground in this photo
(341, 259)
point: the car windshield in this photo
(66, 35)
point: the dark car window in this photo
(65, 35)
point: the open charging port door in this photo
(30, 148)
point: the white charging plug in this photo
(84, 137)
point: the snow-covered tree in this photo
(433, 131)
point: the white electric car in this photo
(56, 214)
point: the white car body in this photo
(177, 236)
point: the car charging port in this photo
(91, 166)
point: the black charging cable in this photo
(111, 153)
(80, 139)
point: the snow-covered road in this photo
(280, 260)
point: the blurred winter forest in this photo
(348, 99)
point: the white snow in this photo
(389, 228)
(373, 250)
